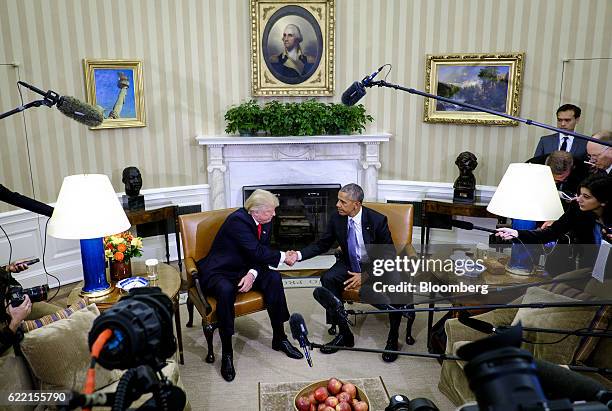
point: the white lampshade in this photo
(87, 207)
(527, 192)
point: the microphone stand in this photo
(383, 83)
(50, 99)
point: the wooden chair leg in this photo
(410, 320)
(189, 313)
(209, 331)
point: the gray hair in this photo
(296, 32)
(259, 199)
(353, 191)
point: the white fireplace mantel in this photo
(235, 162)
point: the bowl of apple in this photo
(331, 395)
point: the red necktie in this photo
(259, 231)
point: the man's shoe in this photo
(392, 345)
(286, 347)
(341, 340)
(227, 367)
(410, 339)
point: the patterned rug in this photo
(279, 397)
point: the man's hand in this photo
(16, 267)
(547, 224)
(353, 282)
(246, 283)
(291, 257)
(19, 313)
(506, 233)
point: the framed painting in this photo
(292, 47)
(492, 81)
(116, 86)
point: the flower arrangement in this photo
(122, 246)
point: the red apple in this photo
(321, 394)
(331, 401)
(312, 398)
(334, 386)
(350, 389)
(353, 402)
(344, 397)
(328, 408)
(360, 406)
(313, 407)
(343, 406)
(322, 406)
(303, 404)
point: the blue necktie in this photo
(352, 247)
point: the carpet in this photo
(279, 396)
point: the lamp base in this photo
(519, 270)
(97, 293)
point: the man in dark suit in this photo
(600, 156)
(568, 116)
(238, 261)
(356, 229)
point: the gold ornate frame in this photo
(319, 78)
(123, 87)
(514, 63)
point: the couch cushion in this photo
(30, 325)
(58, 353)
(541, 345)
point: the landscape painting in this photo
(488, 81)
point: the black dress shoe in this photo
(341, 340)
(410, 339)
(392, 345)
(227, 367)
(286, 347)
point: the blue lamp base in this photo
(94, 268)
(522, 255)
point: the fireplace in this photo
(303, 212)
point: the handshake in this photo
(291, 257)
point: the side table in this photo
(169, 282)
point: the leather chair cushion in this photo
(246, 303)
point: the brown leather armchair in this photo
(399, 218)
(198, 231)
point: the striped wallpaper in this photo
(196, 56)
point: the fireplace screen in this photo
(302, 214)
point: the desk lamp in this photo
(526, 194)
(87, 209)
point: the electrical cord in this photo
(10, 245)
(59, 283)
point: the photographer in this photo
(11, 318)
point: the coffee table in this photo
(169, 282)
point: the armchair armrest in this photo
(191, 270)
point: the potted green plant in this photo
(341, 119)
(245, 118)
(276, 120)
(309, 118)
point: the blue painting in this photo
(115, 92)
(480, 85)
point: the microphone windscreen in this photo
(353, 94)
(559, 382)
(80, 111)
(325, 297)
(298, 326)
(465, 225)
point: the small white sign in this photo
(599, 270)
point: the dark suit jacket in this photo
(24, 202)
(235, 249)
(375, 232)
(550, 143)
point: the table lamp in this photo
(88, 209)
(526, 194)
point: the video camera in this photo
(505, 378)
(142, 339)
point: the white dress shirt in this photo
(282, 257)
(570, 140)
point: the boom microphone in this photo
(357, 90)
(80, 111)
(299, 332)
(559, 382)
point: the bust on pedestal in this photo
(132, 200)
(465, 184)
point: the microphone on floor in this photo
(331, 303)
(299, 332)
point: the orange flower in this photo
(121, 248)
(119, 256)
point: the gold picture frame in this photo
(307, 69)
(117, 87)
(491, 81)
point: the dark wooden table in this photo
(446, 206)
(160, 214)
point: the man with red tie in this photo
(238, 262)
